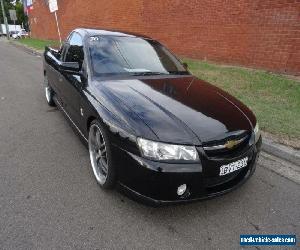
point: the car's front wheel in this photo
(48, 92)
(101, 156)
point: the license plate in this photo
(234, 166)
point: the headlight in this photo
(164, 152)
(256, 132)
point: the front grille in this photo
(217, 149)
(230, 183)
(218, 180)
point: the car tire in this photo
(100, 151)
(49, 93)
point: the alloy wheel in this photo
(98, 154)
(47, 90)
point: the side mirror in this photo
(70, 68)
(54, 52)
(185, 65)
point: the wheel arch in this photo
(89, 121)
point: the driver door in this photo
(71, 85)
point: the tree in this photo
(22, 18)
(7, 6)
(18, 6)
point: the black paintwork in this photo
(179, 109)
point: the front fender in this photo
(121, 133)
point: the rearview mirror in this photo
(70, 67)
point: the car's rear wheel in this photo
(48, 92)
(101, 156)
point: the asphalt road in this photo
(49, 199)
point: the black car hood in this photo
(183, 109)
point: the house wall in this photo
(255, 33)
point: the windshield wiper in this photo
(179, 72)
(147, 73)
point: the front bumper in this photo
(156, 183)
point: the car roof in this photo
(103, 32)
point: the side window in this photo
(75, 49)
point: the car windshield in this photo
(120, 55)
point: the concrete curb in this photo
(268, 145)
(26, 49)
(281, 151)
